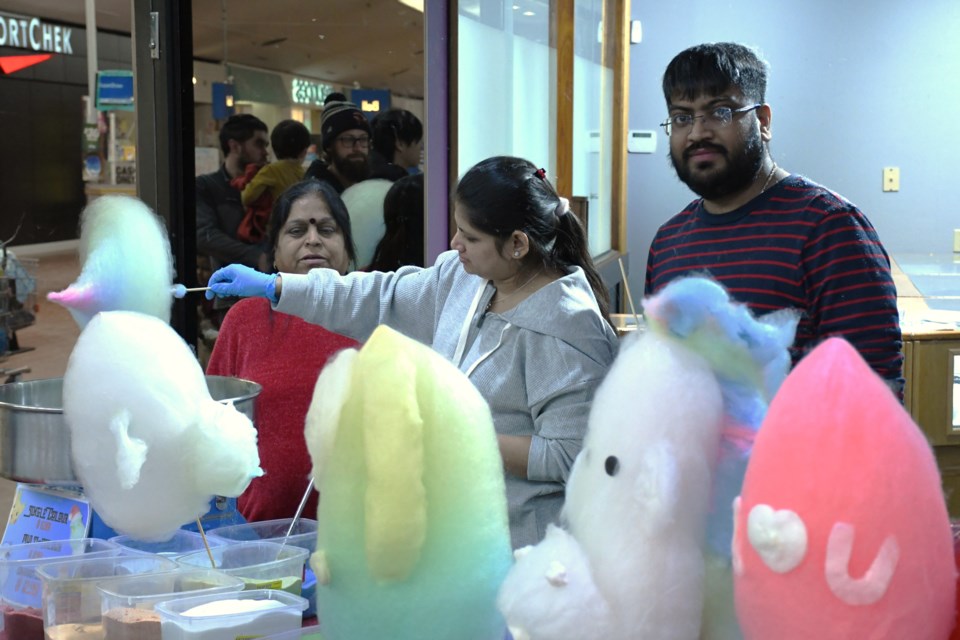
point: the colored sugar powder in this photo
(125, 623)
(22, 624)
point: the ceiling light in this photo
(194, 79)
(529, 13)
(417, 5)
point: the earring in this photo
(516, 254)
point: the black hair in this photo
(393, 125)
(289, 139)
(504, 194)
(283, 205)
(402, 242)
(710, 69)
(240, 127)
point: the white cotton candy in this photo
(149, 444)
(364, 202)
(550, 593)
(636, 507)
(127, 264)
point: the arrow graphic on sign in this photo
(12, 64)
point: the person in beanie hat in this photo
(345, 137)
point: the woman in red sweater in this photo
(309, 228)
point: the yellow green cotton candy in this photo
(413, 540)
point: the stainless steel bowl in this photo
(35, 440)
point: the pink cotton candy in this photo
(841, 530)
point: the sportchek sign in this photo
(25, 32)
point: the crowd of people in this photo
(516, 304)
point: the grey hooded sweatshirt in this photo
(537, 365)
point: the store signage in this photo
(41, 513)
(307, 92)
(12, 64)
(371, 101)
(115, 90)
(25, 32)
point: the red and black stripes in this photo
(798, 245)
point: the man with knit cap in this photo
(345, 137)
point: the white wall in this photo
(854, 87)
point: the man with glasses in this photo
(774, 239)
(346, 144)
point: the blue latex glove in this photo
(244, 282)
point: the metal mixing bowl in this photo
(35, 440)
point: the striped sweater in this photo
(796, 245)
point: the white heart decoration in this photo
(778, 537)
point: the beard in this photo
(741, 170)
(354, 167)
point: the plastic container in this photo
(182, 543)
(71, 598)
(179, 619)
(262, 565)
(21, 587)
(304, 535)
(127, 604)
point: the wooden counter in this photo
(931, 349)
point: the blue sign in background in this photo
(371, 101)
(114, 90)
(222, 107)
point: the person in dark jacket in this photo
(346, 145)
(244, 141)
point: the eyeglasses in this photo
(351, 141)
(719, 118)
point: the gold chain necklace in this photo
(496, 292)
(769, 177)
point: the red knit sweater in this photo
(284, 354)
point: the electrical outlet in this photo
(891, 178)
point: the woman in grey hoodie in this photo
(517, 305)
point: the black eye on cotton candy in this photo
(612, 466)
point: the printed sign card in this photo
(42, 513)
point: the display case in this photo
(928, 295)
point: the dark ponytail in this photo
(504, 194)
(571, 248)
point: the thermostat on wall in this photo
(639, 141)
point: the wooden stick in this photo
(206, 544)
(296, 516)
(626, 288)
